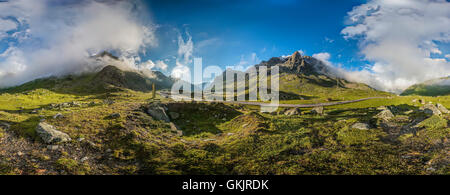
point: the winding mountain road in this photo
(290, 105)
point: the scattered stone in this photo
(114, 116)
(430, 109)
(317, 110)
(80, 139)
(209, 140)
(414, 100)
(58, 115)
(75, 104)
(20, 153)
(361, 126)
(409, 112)
(52, 147)
(49, 134)
(385, 114)
(422, 101)
(230, 134)
(108, 150)
(442, 108)
(84, 159)
(292, 112)
(42, 120)
(174, 115)
(157, 111)
(108, 101)
(35, 111)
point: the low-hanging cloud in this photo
(184, 59)
(399, 37)
(50, 37)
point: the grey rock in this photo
(158, 112)
(430, 109)
(385, 114)
(442, 108)
(361, 126)
(49, 134)
(84, 159)
(292, 112)
(114, 115)
(75, 104)
(317, 110)
(58, 115)
(230, 134)
(52, 147)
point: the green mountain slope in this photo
(306, 78)
(435, 87)
(110, 78)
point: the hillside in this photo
(435, 87)
(108, 79)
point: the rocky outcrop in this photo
(317, 110)
(430, 109)
(385, 115)
(158, 112)
(292, 112)
(50, 134)
(361, 126)
(442, 108)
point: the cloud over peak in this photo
(399, 37)
(55, 38)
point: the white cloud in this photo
(161, 65)
(399, 36)
(185, 52)
(324, 57)
(59, 37)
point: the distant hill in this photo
(435, 87)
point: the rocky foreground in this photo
(163, 137)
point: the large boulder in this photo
(317, 110)
(292, 112)
(50, 134)
(385, 114)
(361, 126)
(430, 109)
(158, 112)
(442, 108)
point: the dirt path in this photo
(301, 105)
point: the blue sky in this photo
(224, 32)
(387, 44)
